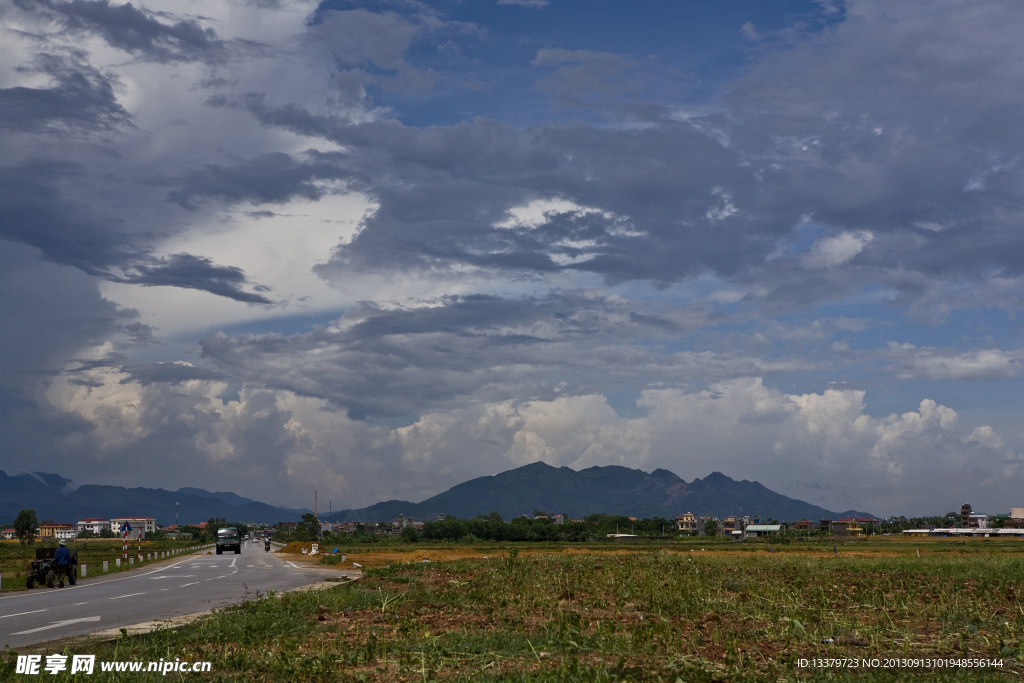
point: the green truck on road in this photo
(229, 538)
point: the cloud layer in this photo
(385, 247)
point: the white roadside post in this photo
(83, 570)
(105, 567)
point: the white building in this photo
(93, 525)
(140, 525)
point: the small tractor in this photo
(44, 569)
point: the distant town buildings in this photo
(94, 525)
(57, 531)
(140, 526)
(735, 527)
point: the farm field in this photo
(737, 613)
(371, 555)
(16, 557)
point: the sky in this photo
(377, 248)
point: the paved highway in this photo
(189, 584)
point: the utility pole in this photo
(314, 507)
(176, 514)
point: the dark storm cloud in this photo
(900, 121)
(446, 188)
(192, 272)
(870, 125)
(268, 178)
(49, 311)
(79, 98)
(134, 29)
(396, 362)
(140, 334)
(37, 211)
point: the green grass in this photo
(640, 616)
(15, 557)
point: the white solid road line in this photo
(56, 624)
(188, 584)
(130, 595)
(35, 611)
(130, 575)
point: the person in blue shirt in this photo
(62, 558)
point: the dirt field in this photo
(373, 557)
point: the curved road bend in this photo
(192, 583)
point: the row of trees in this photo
(25, 525)
(541, 528)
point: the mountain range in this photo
(55, 498)
(612, 489)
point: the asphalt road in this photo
(186, 585)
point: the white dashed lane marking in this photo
(35, 611)
(130, 595)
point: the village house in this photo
(687, 522)
(847, 528)
(55, 532)
(95, 525)
(732, 527)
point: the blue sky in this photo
(692, 49)
(379, 248)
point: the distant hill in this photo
(612, 490)
(52, 497)
(232, 499)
